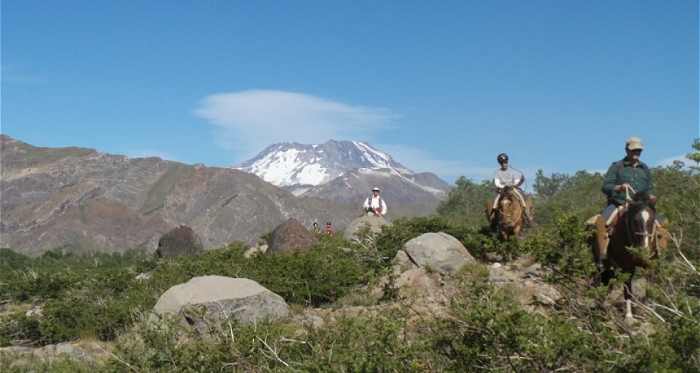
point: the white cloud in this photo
(249, 121)
(669, 161)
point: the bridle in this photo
(632, 233)
(506, 220)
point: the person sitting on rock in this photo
(374, 205)
(329, 227)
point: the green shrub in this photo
(466, 203)
(395, 237)
(95, 295)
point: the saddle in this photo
(612, 220)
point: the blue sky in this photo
(442, 86)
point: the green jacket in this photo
(622, 172)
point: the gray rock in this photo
(180, 241)
(439, 251)
(255, 249)
(493, 278)
(290, 236)
(208, 301)
(533, 270)
(374, 224)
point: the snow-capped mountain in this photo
(298, 167)
(345, 172)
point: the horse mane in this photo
(640, 200)
(507, 191)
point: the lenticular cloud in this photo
(266, 116)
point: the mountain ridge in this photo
(305, 169)
(82, 200)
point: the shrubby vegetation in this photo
(98, 297)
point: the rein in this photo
(627, 194)
(652, 234)
(630, 236)
(512, 221)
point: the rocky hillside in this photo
(401, 189)
(81, 200)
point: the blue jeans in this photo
(608, 210)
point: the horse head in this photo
(509, 213)
(640, 219)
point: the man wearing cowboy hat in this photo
(374, 204)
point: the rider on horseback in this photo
(503, 177)
(624, 178)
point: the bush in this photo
(395, 237)
(62, 296)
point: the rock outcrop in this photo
(374, 224)
(438, 251)
(180, 241)
(208, 301)
(290, 236)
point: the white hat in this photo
(375, 188)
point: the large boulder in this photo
(374, 224)
(290, 236)
(180, 241)
(208, 301)
(438, 251)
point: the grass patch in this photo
(155, 197)
(36, 156)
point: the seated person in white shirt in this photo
(374, 205)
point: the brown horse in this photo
(636, 229)
(507, 216)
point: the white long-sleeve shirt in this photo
(505, 178)
(375, 202)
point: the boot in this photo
(489, 211)
(528, 211)
(602, 238)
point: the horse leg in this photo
(629, 316)
(502, 234)
(606, 274)
(650, 273)
(628, 299)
